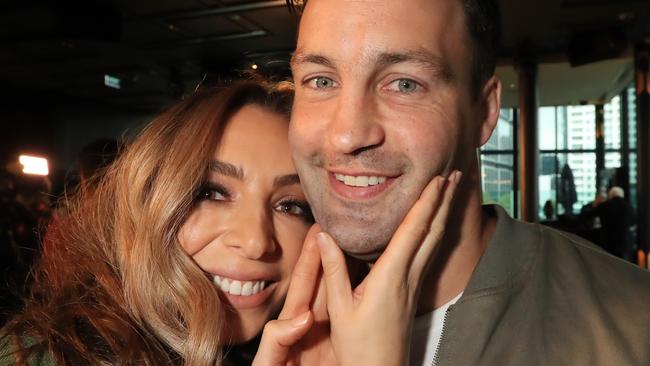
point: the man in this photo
(616, 217)
(390, 94)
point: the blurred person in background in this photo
(616, 217)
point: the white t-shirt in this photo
(427, 330)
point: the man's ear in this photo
(491, 106)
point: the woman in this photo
(185, 245)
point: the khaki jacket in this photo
(543, 297)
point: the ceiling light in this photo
(34, 165)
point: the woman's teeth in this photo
(360, 180)
(239, 288)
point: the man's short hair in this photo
(484, 24)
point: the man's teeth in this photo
(239, 288)
(359, 181)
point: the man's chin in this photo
(366, 257)
(357, 243)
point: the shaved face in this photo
(383, 104)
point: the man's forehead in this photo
(380, 23)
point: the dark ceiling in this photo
(160, 49)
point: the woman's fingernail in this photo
(301, 319)
(321, 239)
(441, 182)
(458, 175)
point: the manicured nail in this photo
(457, 176)
(301, 319)
(322, 239)
(441, 182)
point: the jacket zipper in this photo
(436, 358)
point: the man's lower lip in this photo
(247, 302)
(358, 193)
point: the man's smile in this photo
(359, 186)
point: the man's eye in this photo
(404, 85)
(321, 82)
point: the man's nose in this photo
(251, 234)
(355, 125)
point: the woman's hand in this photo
(371, 325)
(300, 336)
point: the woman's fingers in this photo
(304, 279)
(279, 336)
(337, 280)
(436, 228)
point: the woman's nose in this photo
(252, 235)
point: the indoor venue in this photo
(82, 78)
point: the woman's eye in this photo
(296, 208)
(405, 86)
(213, 193)
(321, 82)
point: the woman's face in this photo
(249, 221)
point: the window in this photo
(498, 160)
(567, 141)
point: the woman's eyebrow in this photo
(227, 169)
(286, 180)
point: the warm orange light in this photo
(34, 165)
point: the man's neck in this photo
(469, 230)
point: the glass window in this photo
(612, 125)
(612, 160)
(502, 138)
(547, 183)
(547, 123)
(582, 132)
(631, 113)
(632, 172)
(497, 164)
(497, 183)
(583, 167)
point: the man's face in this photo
(383, 104)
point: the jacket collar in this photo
(506, 257)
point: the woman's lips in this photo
(359, 187)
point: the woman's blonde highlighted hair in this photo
(113, 285)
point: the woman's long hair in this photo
(114, 285)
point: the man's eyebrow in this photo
(300, 57)
(286, 180)
(226, 169)
(435, 63)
